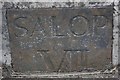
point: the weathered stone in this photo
(60, 79)
(60, 40)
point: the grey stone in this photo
(60, 40)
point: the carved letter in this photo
(79, 25)
(20, 26)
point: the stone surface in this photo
(31, 5)
(62, 79)
(60, 39)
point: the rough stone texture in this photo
(19, 5)
(119, 40)
(60, 40)
(61, 79)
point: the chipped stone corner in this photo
(5, 51)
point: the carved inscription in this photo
(55, 40)
(79, 25)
